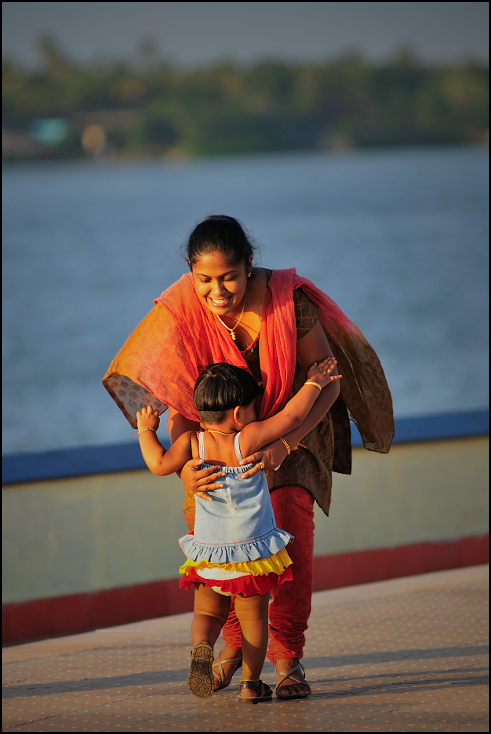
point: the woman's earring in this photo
(249, 274)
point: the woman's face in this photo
(219, 285)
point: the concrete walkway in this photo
(403, 655)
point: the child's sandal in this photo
(200, 677)
(220, 673)
(263, 692)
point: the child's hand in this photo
(321, 373)
(147, 418)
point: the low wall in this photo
(90, 536)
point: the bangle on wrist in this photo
(312, 382)
(146, 429)
(285, 442)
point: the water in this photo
(398, 238)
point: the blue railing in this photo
(127, 457)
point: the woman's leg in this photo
(290, 610)
(210, 614)
(252, 612)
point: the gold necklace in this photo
(232, 331)
(212, 430)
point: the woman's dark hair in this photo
(219, 388)
(219, 233)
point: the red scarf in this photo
(206, 341)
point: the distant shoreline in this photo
(183, 160)
(70, 111)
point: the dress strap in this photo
(201, 442)
(237, 447)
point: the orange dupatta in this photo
(161, 360)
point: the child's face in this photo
(219, 285)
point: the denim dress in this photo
(239, 525)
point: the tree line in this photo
(152, 107)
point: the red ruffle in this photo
(245, 585)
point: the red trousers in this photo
(289, 611)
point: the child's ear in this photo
(237, 415)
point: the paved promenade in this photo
(403, 655)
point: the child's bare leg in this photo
(210, 614)
(252, 612)
(232, 650)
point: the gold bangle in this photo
(311, 382)
(146, 429)
(286, 445)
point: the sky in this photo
(190, 34)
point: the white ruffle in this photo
(219, 574)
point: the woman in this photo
(275, 324)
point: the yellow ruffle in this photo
(277, 563)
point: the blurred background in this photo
(351, 139)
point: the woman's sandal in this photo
(220, 674)
(264, 692)
(296, 680)
(200, 677)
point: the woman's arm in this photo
(177, 424)
(313, 347)
(256, 435)
(312, 344)
(201, 481)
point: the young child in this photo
(236, 548)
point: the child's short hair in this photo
(219, 388)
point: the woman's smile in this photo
(224, 305)
(218, 302)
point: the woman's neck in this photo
(250, 324)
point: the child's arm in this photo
(256, 435)
(158, 460)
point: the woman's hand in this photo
(148, 417)
(203, 480)
(321, 373)
(269, 457)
